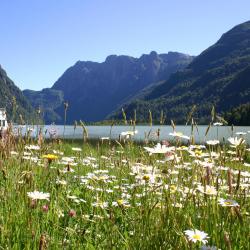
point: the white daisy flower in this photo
(179, 135)
(235, 141)
(159, 149)
(36, 195)
(218, 124)
(32, 147)
(240, 133)
(213, 142)
(77, 149)
(228, 203)
(209, 190)
(196, 235)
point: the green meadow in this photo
(58, 194)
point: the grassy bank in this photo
(120, 195)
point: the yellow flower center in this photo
(102, 178)
(120, 202)
(228, 203)
(209, 191)
(197, 237)
(50, 157)
(173, 188)
(198, 152)
(146, 178)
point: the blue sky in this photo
(40, 39)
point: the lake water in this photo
(96, 132)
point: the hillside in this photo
(49, 100)
(93, 90)
(219, 76)
(12, 98)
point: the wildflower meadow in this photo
(103, 194)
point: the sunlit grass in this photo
(117, 195)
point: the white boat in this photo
(3, 120)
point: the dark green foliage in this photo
(219, 76)
(239, 115)
(12, 98)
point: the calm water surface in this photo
(96, 132)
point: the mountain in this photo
(49, 100)
(93, 90)
(219, 76)
(12, 98)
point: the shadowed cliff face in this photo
(12, 98)
(93, 90)
(219, 76)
